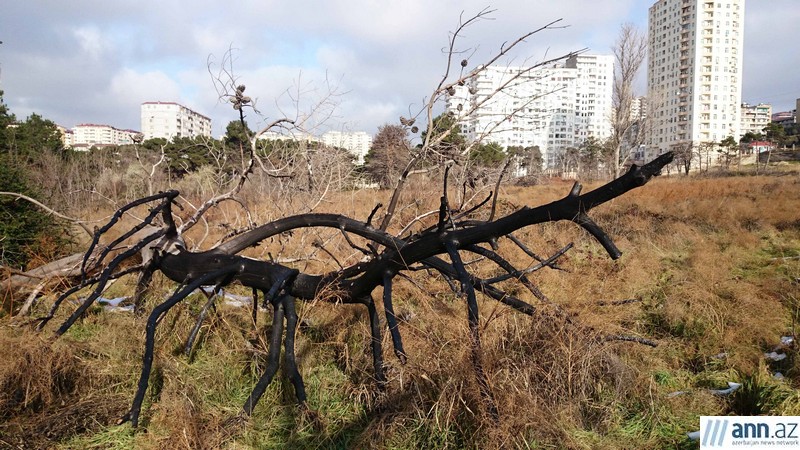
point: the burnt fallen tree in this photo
(386, 256)
(449, 245)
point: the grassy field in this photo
(712, 266)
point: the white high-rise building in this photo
(593, 95)
(88, 135)
(169, 120)
(694, 72)
(755, 118)
(553, 107)
(356, 142)
(639, 108)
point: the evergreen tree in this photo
(388, 155)
(488, 155)
(22, 225)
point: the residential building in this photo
(299, 137)
(639, 118)
(67, 136)
(593, 95)
(88, 135)
(639, 109)
(553, 107)
(356, 142)
(694, 73)
(785, 117)
(169, 120)
(755, 118)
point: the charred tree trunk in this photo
(281, 284)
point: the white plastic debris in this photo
(775, 356)
(778, 376)
(693, 435)
(730, 390)
(722, 355)
(112, 304)
(127, 309)
(111, 301)
(237, 301)
(787, 340)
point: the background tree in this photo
(792, 132)
(32, 137)
(388, 154)
(729, 151)
(571, 159)
(6, 119)
(237, 135)
(24, 228)
(704, 151)
(776, 134)
(591, 156)
(751, 137)
(487, 155)
(24, 152)
(453, 143)
(627, 131)
(528, 161)
(684, 155)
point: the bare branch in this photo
(50, 211)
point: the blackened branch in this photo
(105, 276)
(221, 276)
(273, 359)
(522, 278)
(391, 319)
(169, 196)
(520, 273)
(372, 214)
(201, 317)
(528, 251)
(602, 237)
(474, 329)
(375, 342)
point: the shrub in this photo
(22, 224)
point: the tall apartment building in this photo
(88, 135)
(356, 142)
(694, 72)
(553, 107)
(169, 120)
(593, 95)
(755, 118)
(639, 108)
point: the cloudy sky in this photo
(96, 61)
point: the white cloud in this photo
(129, 87)
(99, 61)
(91, 41)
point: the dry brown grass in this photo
(701, 256)
(49, 391)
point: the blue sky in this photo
(97, 61)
